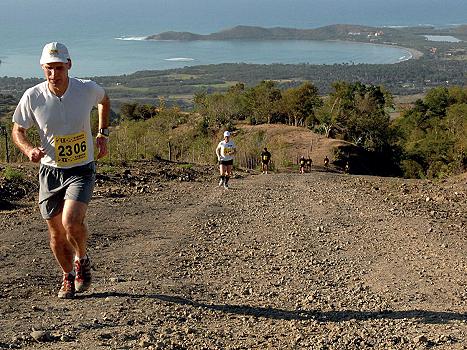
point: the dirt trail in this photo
(280, 261)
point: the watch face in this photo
(104, 132)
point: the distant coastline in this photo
(415, 54)
(411, 39)
(347, 32)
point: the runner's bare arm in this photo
(103, 109)
(21, 141)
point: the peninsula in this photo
(414, 38)
(241, 32)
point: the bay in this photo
(124, 56)
(91, 28)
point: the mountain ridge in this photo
(244, 32)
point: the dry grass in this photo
(289, 143)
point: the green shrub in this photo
(339, 155)
(438, 170)
(412, 170)
(12, 174)
(185, 166)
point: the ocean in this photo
(104, 36)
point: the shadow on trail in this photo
(433, 317)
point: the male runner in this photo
(309, 162)
(265, 159)
(302, 163)
(60, 109)
(225, 155)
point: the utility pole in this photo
(4, 132)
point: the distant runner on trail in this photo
(265, 159)
(326, 161)
(347, 168)
(60, 109)
(225, 151)
(302, 163)
(308, 164)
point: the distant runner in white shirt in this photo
(225, 151)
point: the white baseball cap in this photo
(54, 52)
(226, 133)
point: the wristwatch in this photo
(104, 132)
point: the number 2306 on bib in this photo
(71, 149)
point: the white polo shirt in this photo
(64, 123)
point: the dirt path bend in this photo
(279, 261)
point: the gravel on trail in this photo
(279, 261)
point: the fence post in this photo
(3, 131)
(170, 151)
(136, 147)
(108, 151)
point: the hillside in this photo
(242, 32)
(288, 143)
(291, 142)
(280, 261)
(411, 37)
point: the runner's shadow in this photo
(423, 316)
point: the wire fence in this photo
(123, 148)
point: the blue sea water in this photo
(94, 31)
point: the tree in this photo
(437, 100)
(456, 128)
(457, 94)
(326, 120)
(300, 104)
(127, 111)
(220, 109)
(369, 119)
(237, 102)
(434, 132)
(359, 113)
(144, 112)
(262, 102)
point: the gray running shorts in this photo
(57, 185)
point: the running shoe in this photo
(226, 186)
(221, 182)
(83, 275)
(68, 287)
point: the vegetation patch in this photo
(12, 174)
(425, 138)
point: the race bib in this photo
(227, 151)
(71, 149)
